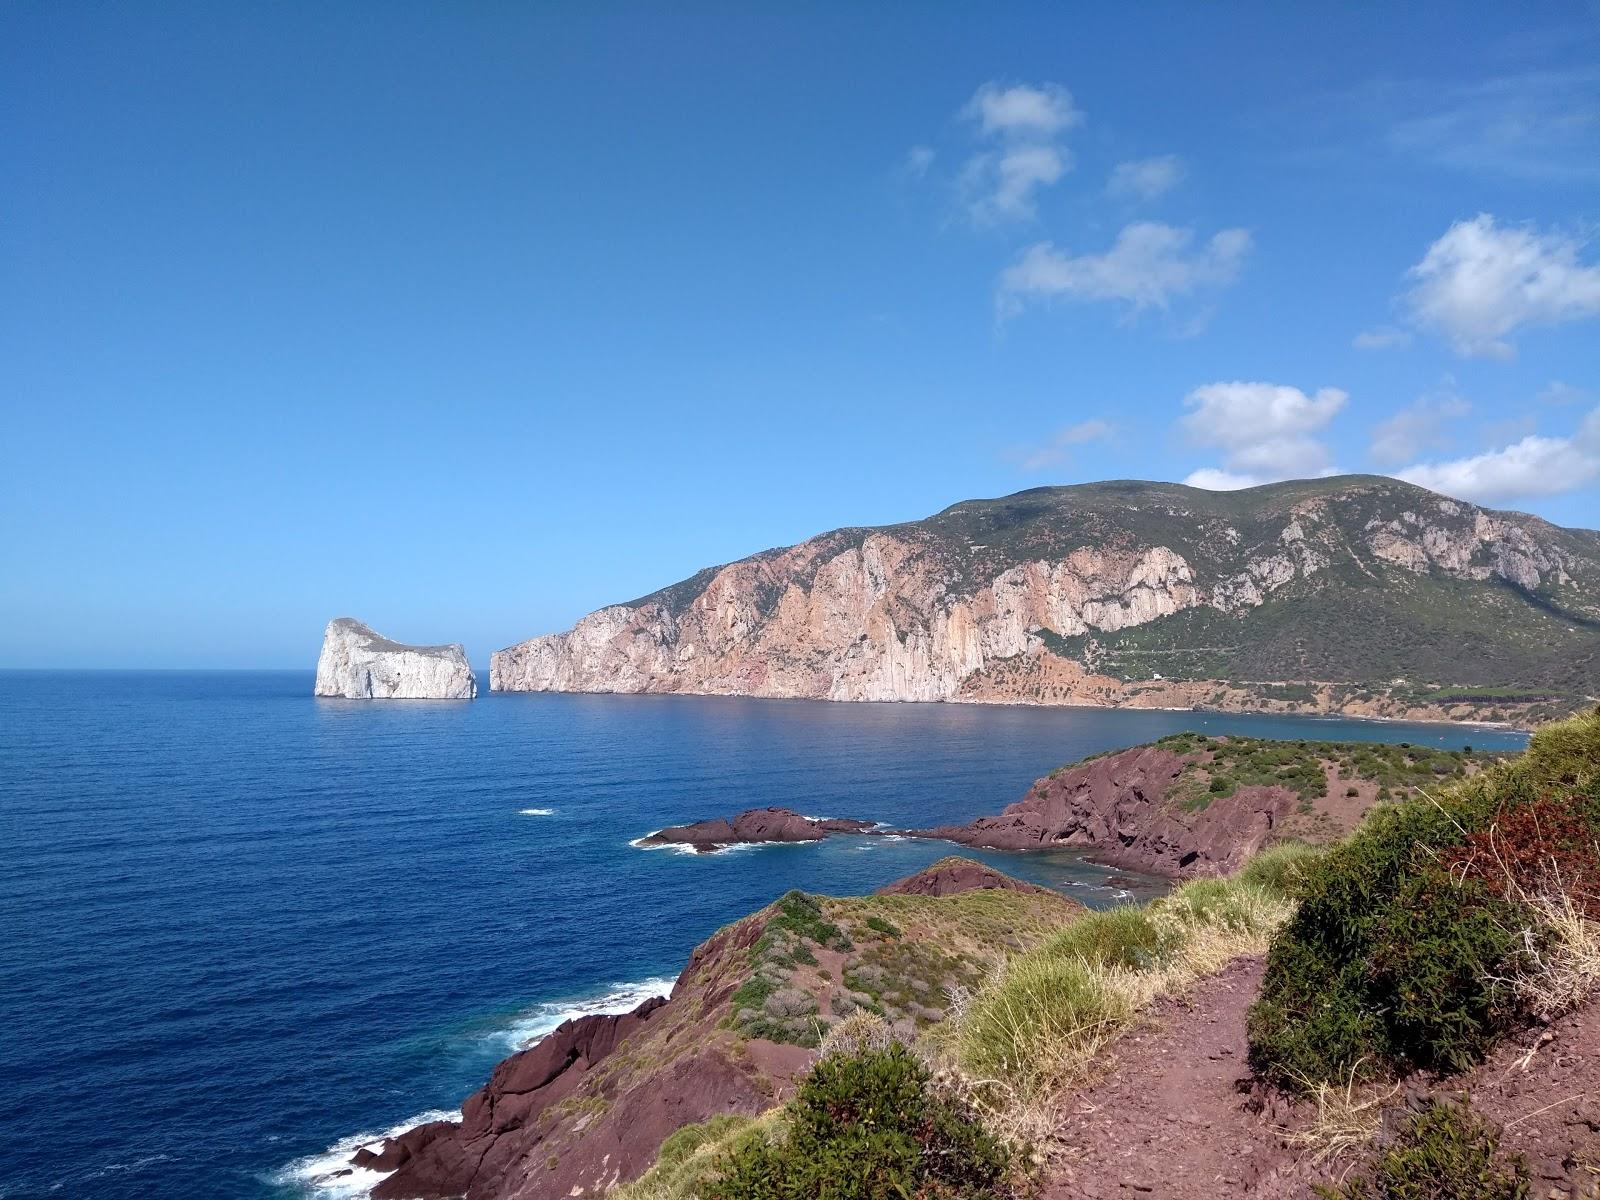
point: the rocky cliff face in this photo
(358, 664)
(1114, 593)
(1193, 805)
(588, 1106)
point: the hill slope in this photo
(1358, 594)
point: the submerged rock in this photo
(358, 664)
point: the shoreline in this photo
(327, 1174)
(978, 702)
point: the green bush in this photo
(868, 1126)
(1389, 961)
(1396, 958)
(1445, 1152)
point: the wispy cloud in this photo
(1538, 125)
(1058, 449)
(1532, 466)
(1417, 429)
(1480, 282)
(1385, 337)
(1145, 178)
(1148, 266)
(917, 161)
(1265, 431)
(1020, 125)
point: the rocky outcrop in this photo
(358, 664)
(1196, 805)
(588, 1106)
(1120, 808)
(952, 876)
(753, 827)
(1046, 596)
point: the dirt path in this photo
(1174, 1118)
(1170, 1120)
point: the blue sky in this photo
(466, 319)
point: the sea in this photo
(243, 930)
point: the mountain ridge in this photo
(1358, 594)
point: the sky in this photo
(468, 318)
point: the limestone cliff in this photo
(358, 664)
(1364, 593)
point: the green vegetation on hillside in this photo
(1443, 1152)
(1443, 923)
(869, 1125)
(1220, 766)
(898, 957)
(1348, 617)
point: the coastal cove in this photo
(242, 925)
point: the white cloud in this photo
(1384, 338)
(1149, 265)
(1023, 110)
(1023, 123)
(1416, 428)
(1533, 466)
(1264, 430)
(1145, 178)
(1214, 480)
(917, 161)
(1055, 450)
(1480, 282)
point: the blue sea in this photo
(242, 929)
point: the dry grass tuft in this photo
(1562, 955)
(1347, 1119)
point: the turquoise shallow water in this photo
(238, 925)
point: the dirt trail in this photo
(1171, 1120)
(1174, 1118)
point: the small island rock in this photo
(358, 664)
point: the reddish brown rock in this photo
(589, 1104)
(950, 876)
(1117, 807)
(754, 826)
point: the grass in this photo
(1037, 1024)
(692, 1157)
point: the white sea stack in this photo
(358, 664)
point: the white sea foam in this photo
(615, 998)
(329, 1176)
(537, 812)
(644, 843)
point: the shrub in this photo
(1406, 950)
(861, 1032)
(868, 1126)
(1547, 847)
(1373, 969)
(1444, 1152)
